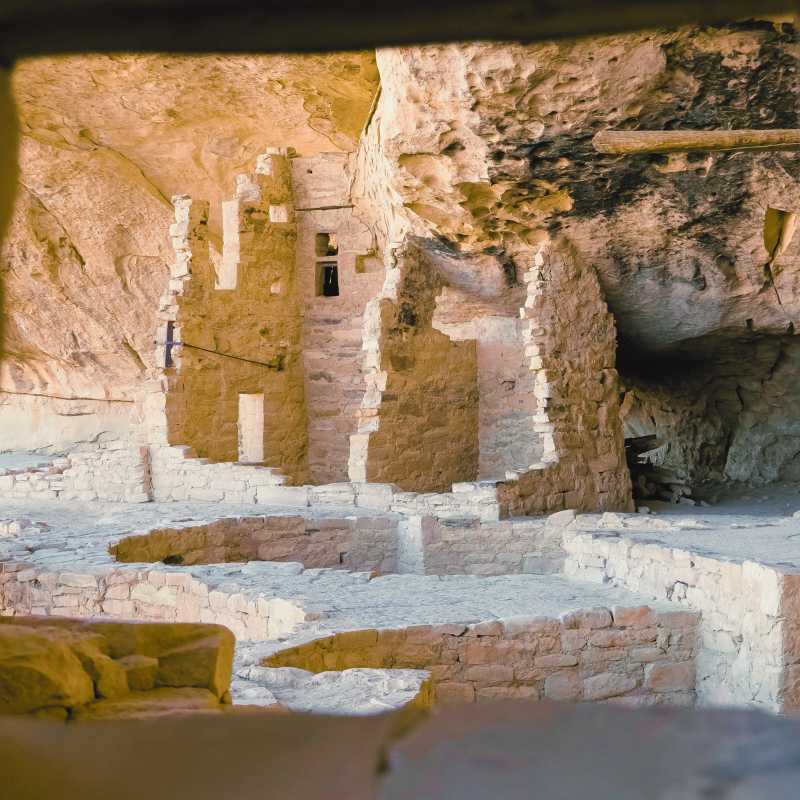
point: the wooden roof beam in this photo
(631, 142)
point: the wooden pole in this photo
(628, 142)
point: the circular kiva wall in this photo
(366, 543)
(630, 656)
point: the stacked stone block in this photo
(625, 656)
(434, 546)
(363, 543)
(506, 402)
(418, 422)
(148, 593)
(332, 326)
(571, 341)
(74, 670)
(179, 475)
(116, 472)
(749, 626)
(508, 440)
(416, 544)
(247, 313)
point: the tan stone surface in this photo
(38, 670)
(106, 142)
(66, 668)
(154, 704)
(578, 658)
(204, 662)
(206, 755)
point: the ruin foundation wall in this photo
(750, 653)
(117, 472)
(627, 656)
(366, 543)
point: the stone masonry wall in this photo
(626, 656)
(179, 475)
(571, 341)
(154, 593)
(506, 400)
(243, 306)
(418, 544)
(115, 472)
(418, 423)
(750, 653)
(366, 543)
(332, 326)
(433, 546)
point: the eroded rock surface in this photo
(70, 669)
(106, 141)
(474, 154)
(486, 145)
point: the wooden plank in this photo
(629, 142)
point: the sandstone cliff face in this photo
(106, 142)
(485, 145)
(474, 152)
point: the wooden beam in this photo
(629, 142)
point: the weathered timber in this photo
(630, 142)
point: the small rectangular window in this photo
(327, 279)
(251, 427)
(326, 244)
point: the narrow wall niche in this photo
(326, 273)
(251, 427)
(326, 279)
(779, 227)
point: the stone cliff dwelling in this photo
(408, 377)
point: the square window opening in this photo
(326, 244)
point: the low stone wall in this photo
(69, 669)
(626, 656)
(478, 499)
(122, 472)
(150, 594)
(419, 545)
(116, 472)
(364, 543)
(433, 546)
(750, 654)
(178, 475)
